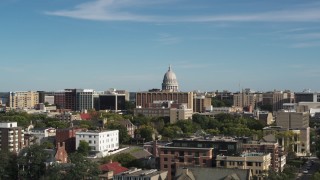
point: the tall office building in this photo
(306, 96)
(277, 98)
(11, 137)
(299, 124)
(84, 100)
(201, 103)
(23, 99)
(245, 99)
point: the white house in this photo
(99, 141)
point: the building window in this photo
(196, 154)
(165, 152)
(249, 163)
(165, 166)
(204, 161)
(165, 159)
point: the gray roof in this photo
(212, 173)
(269, 138)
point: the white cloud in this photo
(112, 10)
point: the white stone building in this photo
(99, 141)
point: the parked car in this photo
(305, 171)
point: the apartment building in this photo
(23, 99)
(11, 137)
(277, 98)
(171, 158)
(201, 103)
(258, 163)
(266, 147)
(99, 141)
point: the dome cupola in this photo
(170, 82)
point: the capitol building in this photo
(170, 82)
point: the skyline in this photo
(129, 44)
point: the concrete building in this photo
(277, 98)
(99, 141)
(292, 120)
(111, 100)
(137, 174)
(296, 140)
(170, 82)
(264, 116)
(201, 104)
(23, 99)
(85, 100)
(167, 109)
(11, 137)
(144, 99)
(258, 163)
(306, 96)
(245, 99)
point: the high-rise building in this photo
(11, 137)
(201, 104)
(245, 99)
(23, 99)
(170, 82)
(277, 98)
(306, 96)
(84, 99)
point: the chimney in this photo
(154, 149)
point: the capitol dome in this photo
(170, 82)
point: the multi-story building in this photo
(258, 163)
(167, 109)
(296, 140)
(306, 96)
(292, 120)
(23, 99)
(144, 99)
(266, 147)
(277, 98)
(201, 104)
(68, 136)
(85, 100)
(152, 174)
(99, 141)
(111, 101)
(171, 158)
(245, 99)
(11, 137)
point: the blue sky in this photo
(129, 44)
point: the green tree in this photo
(8, 165)
(145, 132)
(31, 162)
(82, 168)
(123, 133)
(316, 176)
(83, 148)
